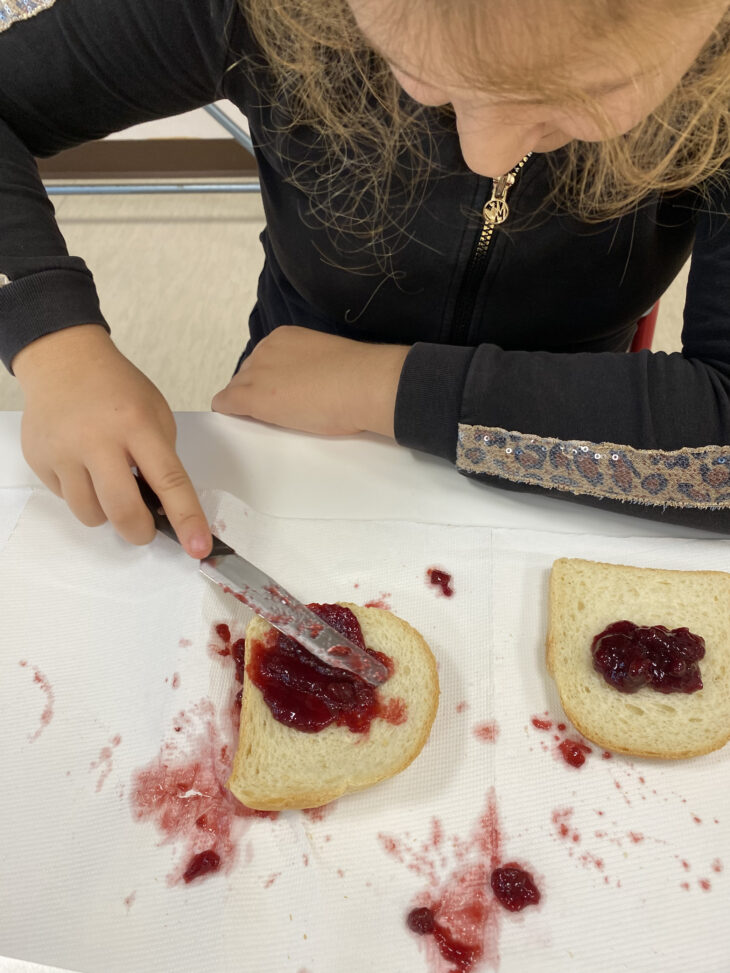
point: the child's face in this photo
(496, 131)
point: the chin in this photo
(551, 142)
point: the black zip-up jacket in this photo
(518, 371)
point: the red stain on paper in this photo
(103, 762)
(183, 792)
(464, 914)
(486, 732)
(319, 813)
(381, 602)
(47, 715)
(440, 579)
(573, 751)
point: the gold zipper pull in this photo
(496, 209)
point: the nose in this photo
(491, 149)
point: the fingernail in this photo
(199, 545)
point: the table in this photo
(292, 474)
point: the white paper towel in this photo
(631, 856)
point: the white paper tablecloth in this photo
(83, 886)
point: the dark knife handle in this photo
(152, 502)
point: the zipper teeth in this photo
(479, 256)
(485, 238)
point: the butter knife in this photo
(267, 598)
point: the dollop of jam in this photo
(307, 694)
(440, 579)
(421, 920)
(514, 888)
(574, 752)
(201, 864)
(630, 656)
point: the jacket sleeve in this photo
(72, 71)
(645, 433)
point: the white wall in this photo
(194, 124)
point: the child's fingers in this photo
(164, 472)
(79, 493)
(119, 498)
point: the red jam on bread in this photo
(630, 656)
(307, 694)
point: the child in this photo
(469, 205)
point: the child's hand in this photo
(89, 416)
(317, 382)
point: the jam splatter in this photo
(381, 602)
(514, 888)
(103, 762)
(183, 792)
(319, 813)
(630, 656)
(574, 752)
(486, 732)
(441, 580)
(129, 900)
(47, 714)
(571, 751)
(201, 864)
(458, 916)
(222, 635)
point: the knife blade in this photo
(267, 598)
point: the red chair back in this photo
(645, 330)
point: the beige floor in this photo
(177, 278)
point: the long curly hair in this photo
(328, 82)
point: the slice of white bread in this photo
(278, 767)
(586, 597)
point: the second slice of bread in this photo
(586, 597)
(278, 767)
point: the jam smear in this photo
(456, 912)
(514, 888)
(459, 938)
(183, 791)
(630, 656)
(440, 579)
(307, 694)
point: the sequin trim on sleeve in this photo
(13, 10)
(697, 478)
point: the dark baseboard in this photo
(151, 158)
